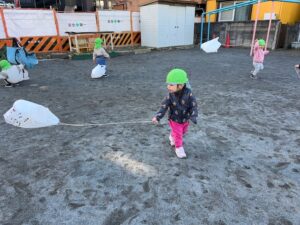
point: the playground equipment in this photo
(240, 5)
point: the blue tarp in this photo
(18, 55)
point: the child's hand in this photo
(94, 61)
(154, 120)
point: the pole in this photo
(208, 27)
(131, 29)
(4, 23)
(97, 20)
(270, 22)
(57, 30)
(254, 29)
(201, 29)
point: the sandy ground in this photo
(243, 164)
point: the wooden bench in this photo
(84, 41)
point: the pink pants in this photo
(177, 132)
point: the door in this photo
(189, 25)
(180, 25)
(166, 25)
(172, 19)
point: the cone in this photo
(227, 42)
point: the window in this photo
(243, 13)
(226, 15)
(239, 14)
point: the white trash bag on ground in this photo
(27, 114)
(211, 46)
(98, 71)
(15, 74)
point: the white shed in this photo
(166, 23)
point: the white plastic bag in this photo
(211, 46)
(98, 71)
(27, 114)
(15, 74)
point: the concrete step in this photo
(142, 50)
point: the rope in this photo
(103, 124)
(297, 72)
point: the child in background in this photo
(99, 54)
(12, 75)
(5, 65)
(258, 57)
(182, 107)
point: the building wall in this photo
(211, 5)
(149, 21)
(266, 7)
(240, 33)
(290, 13)
(133, 5)
(287, 13)
(288, 35)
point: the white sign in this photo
(116, 21)
(76, 22)
(22, 23)
(267, 16)
(2, 33)
(136, 23)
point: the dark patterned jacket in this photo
(182, 107)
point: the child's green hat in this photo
(98, 43)
(177, 76)
(261, 42)
(4, 64)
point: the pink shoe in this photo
(172, 142)
(180, 152)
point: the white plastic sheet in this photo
(27, 114)
(98, 71)
(22, 23)
(211, 46)
(116, 21)
(76, 22)
(15, 74)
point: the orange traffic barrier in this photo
(227, 42)
(45, 44)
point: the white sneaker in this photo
(172, 142)
(180, 152)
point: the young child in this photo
(258, 57)
(99, 54)
(12, 75)
(182, 107)
(5, 65)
